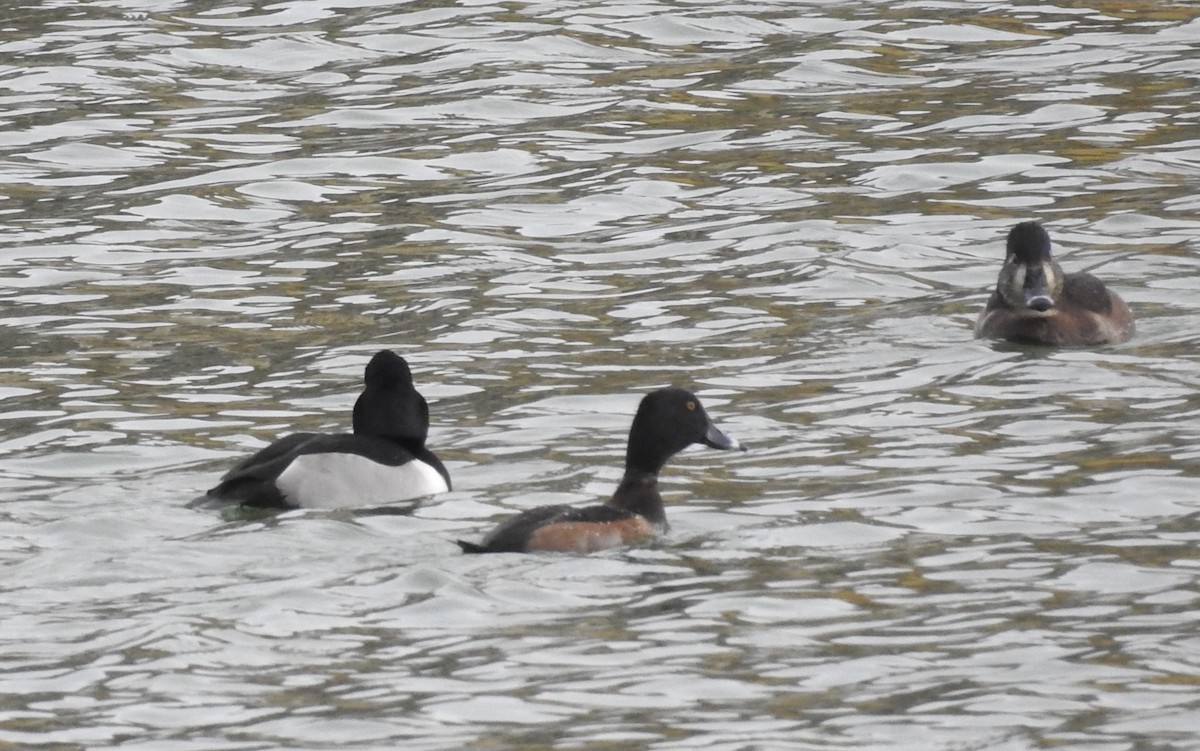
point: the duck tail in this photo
(470, 547)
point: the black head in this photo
(1030, 280)
(387, 369)
(1029, 243)
(668, 421)
(389, 406)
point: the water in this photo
(213, 214)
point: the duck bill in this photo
(1037, 290)
(714, 438)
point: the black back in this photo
(1088, 292)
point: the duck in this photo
(667, 421)
(383, 461)
(1036, 303)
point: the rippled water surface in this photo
(214, 213)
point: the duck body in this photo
(1035, 302)
(667, 421)
(317, 470)
(567, 529)
(383, 461)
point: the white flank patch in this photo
(347, 480)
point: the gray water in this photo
(213, 214)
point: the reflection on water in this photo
(213, 214)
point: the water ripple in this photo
(213, 215)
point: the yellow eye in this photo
(691, 406)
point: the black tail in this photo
(211, 502)
(470, 547)
(408, 510)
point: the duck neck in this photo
(638, 493)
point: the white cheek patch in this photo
(347, 480)
(1052, 281)
(1019, 277)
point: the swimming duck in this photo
(385, 459)
(1036, 303)
(667, 421)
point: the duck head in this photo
(1030, 280)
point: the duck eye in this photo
(691, 406)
